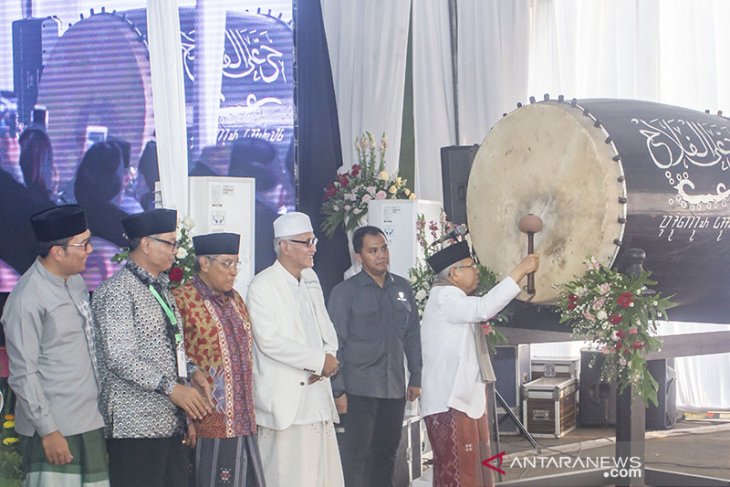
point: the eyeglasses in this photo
(229, 264)
(470, 266)
(173, 245)
(310, 242)
(85, 245)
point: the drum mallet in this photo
(530, 224)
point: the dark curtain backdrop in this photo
(318, 136)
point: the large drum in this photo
(606, 175)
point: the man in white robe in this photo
(295, 348)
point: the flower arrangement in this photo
(422, 276)
(619, 313)
(345, 200)
(10, 458)
(182, 268)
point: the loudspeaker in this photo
(663, 416)
(511, 365)
(33, 40)
(456, 163)
(597, 398)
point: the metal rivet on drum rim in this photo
(620, 179)
(597, 123)
(532, 99)
(519, 104)
(546, 96)
(573, 102)
(621, 219)
(617, 242)
(561, 98)
(622, 199)
(616, 158)
(608, 140)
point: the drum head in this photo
(550, 160)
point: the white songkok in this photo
(292, 223)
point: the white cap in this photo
(292, 223)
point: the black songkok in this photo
(450, 255)
(58, 223)
(217, 244)
(150, 222)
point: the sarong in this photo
(232, 462)
(89, 467)
(459, 444)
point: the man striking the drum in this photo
(454, 400)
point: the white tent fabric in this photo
(168, 101)
(433, 94)
(367, 44)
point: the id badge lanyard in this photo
(180, 357)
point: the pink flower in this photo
(637, 345)
(380, 195)
(598, 303)
(487, 328)
(633, 331)
(604, 288)
(366, 198)
(589, 316)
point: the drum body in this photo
(607, 175)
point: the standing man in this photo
(49, 335)
(144, 369)
(454, 402)
(294, 356)
(376, 318)
(218, 339)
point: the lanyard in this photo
(168, 312)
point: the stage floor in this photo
(698, 447)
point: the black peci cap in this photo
(450, 255)
(217, 243)
(150, 222)
(58, 223)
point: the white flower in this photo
(413, 279)
(181, 253)
(602, 315)
(384, 176)
(614, 336)
(421, 294)
(178, 234)
(188, 222)
(622, 362)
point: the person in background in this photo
(376, 318)
(218, 339)
(49, 337)
(146, 378)
(454, 401)
(36, 162)
(295, 347)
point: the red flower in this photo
(615, 318)
(625, 299)
(620, 334)
(329, 191)
(637, 345)
(572, 298)
(355, 170)
(344, 181)
(176, 274)
(571, 305)
(618, 346)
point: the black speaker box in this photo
(32, 42)
(663, 416)
(512, 368)
(597, 398)
(456, 163)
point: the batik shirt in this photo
(218, 340)
(136, 358)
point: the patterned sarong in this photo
(89, 467)
(459, 445)
(229, 461)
